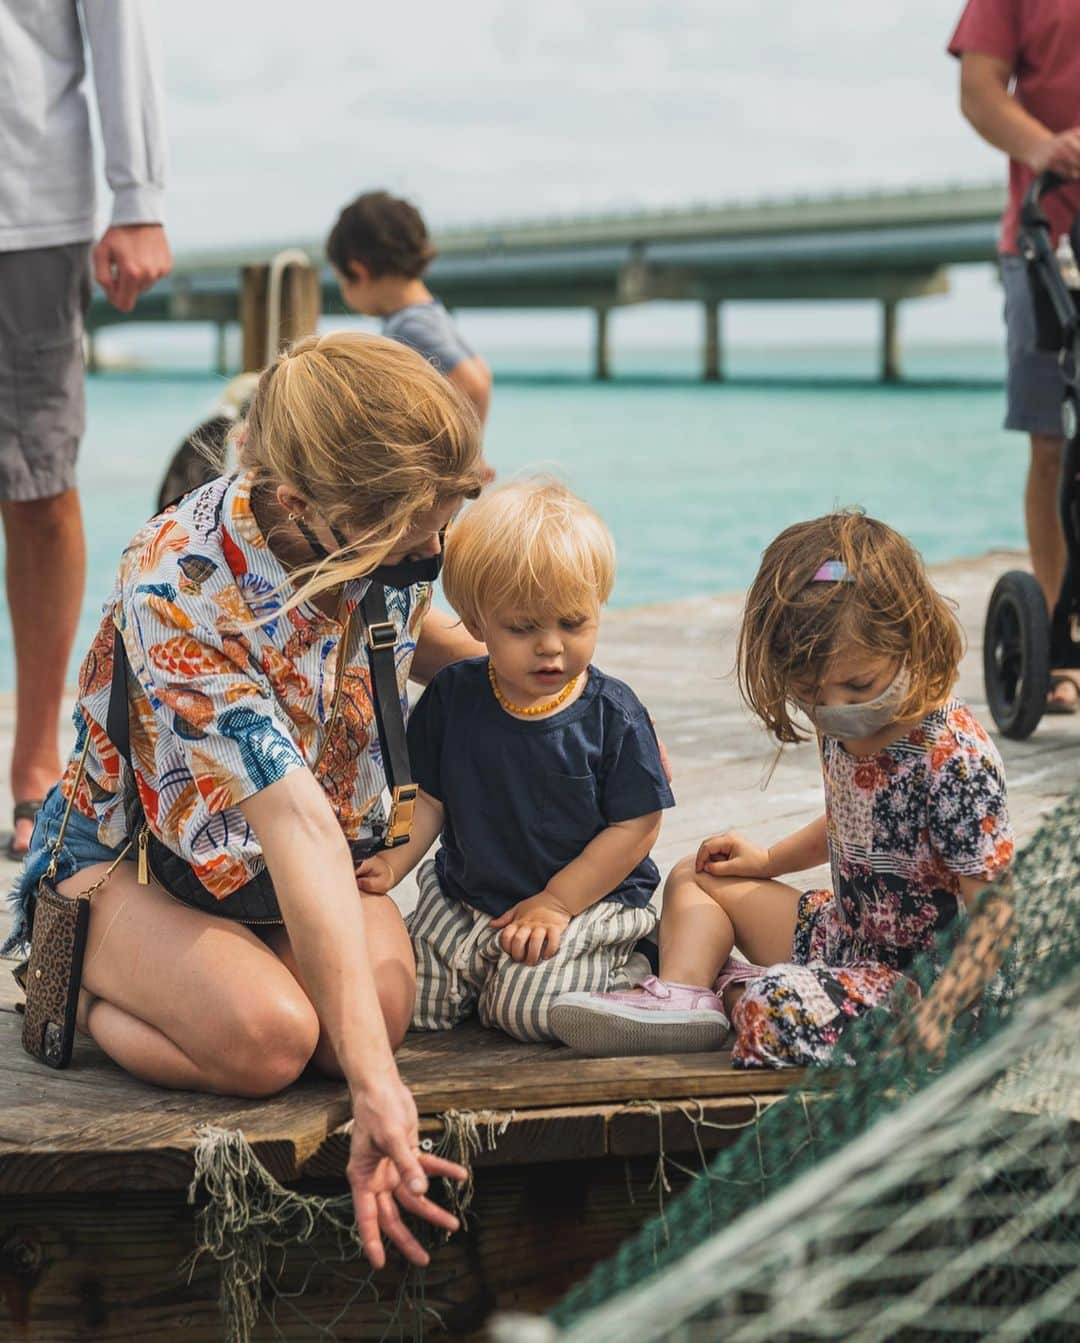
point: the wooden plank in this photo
(577, 1133)
(469, 1068)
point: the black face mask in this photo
(401, 575)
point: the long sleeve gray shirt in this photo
(46, 159)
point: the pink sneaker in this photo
(659, 1017)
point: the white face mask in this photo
(855, 721)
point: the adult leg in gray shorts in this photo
(43, 296)
(1035, 389)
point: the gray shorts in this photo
(1034, 385)
(44, 292)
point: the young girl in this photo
(842, 623)
(542, 775)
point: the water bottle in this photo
(1066, 262)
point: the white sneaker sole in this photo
(603, 1032)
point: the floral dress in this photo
(903, 827)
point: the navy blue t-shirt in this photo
(523, 797)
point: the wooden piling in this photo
(712, 362)
(890, 342)
(601, 359)
(300, 308)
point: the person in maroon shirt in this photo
(1020, 89)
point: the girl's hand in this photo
(730, 855)
(533, 929)
(375, 876)
(387, 1169)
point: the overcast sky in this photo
(495, 109)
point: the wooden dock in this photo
(94, 1165)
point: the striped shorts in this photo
(460, 966)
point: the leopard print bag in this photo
(53, 974)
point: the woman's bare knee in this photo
(268, 1045)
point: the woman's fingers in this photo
(405, 1155)
(425, 1208)
(445, 1169)
(399, 1233)
(367, 1226)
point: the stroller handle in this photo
(1031, 208)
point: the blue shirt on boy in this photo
(523, 797)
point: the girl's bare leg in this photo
(183, 999)
(705, 917)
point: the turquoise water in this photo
(694, 480)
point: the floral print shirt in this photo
(906, 824)
(220, 709)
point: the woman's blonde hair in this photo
(793, 627)
(367, 431)
(531, 548)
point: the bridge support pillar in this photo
(221, 356)
(601, 360)
(712, 368)
(890, 341)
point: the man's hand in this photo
(1059, 154)
(128, 260)
(533, 929)
(375, 876)
(731, 855)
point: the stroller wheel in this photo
(1016, 654)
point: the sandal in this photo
(24, 811)
(1059, 706)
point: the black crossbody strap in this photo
(382, 636)
(116, 720)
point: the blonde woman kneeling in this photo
(253, 749)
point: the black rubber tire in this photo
(1016, 654)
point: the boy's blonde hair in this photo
(370, 433)
(531, 548)
(793, 627)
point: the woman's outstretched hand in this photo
(387, 1172)
(730, 855)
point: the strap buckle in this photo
(383, 634)
(399, 822)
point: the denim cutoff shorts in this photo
(81, 848)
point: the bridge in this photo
(886, 246)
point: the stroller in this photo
(1021, 643)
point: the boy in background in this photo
(380, 248)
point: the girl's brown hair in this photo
(367, 431)
(793, 627)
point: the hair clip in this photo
(833, 571)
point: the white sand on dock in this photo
(678, 656)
